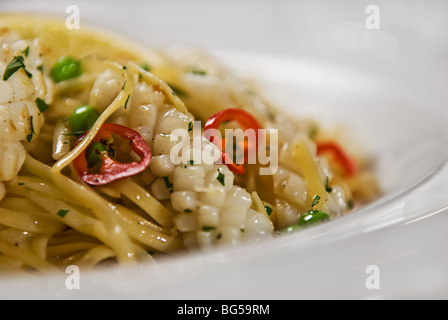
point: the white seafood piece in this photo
(19, 120)
(20, 117)
(212, 210)
(290, 186)
(12, 156)
(105, 88)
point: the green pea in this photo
(93, 153)
(66, 68)
(312, 216)
(289, 229)
(82, 119)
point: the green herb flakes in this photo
(268, 210)
(168, 183)
(327, 187)
(16, 64)
(26, 51)
(62, 213)
(315, 200)
(221, 177)
(145, 66)
(41, 105)
(31, 135)
(126, 103)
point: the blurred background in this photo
(411, 41)
(327, 29)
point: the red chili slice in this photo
(349, 164)
(245, 120)
(110, 169)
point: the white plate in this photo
(388, 90)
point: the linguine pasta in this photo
(52, 216)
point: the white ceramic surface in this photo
(311, 58)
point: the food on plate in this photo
(112, 152)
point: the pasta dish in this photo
(113, 153)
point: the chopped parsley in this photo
(315, 200)
(16, 64)
(221, 177)
(145, 66)
(190, 126)
(62, 213)
(127, 100)
(168, 183)
(327, 187)
(268, 210)
(26, 51)
(312, 131)
(208, 228)
(41, 105)
(198, 72)
(350, 204)
(177, 92)
(31, 135)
